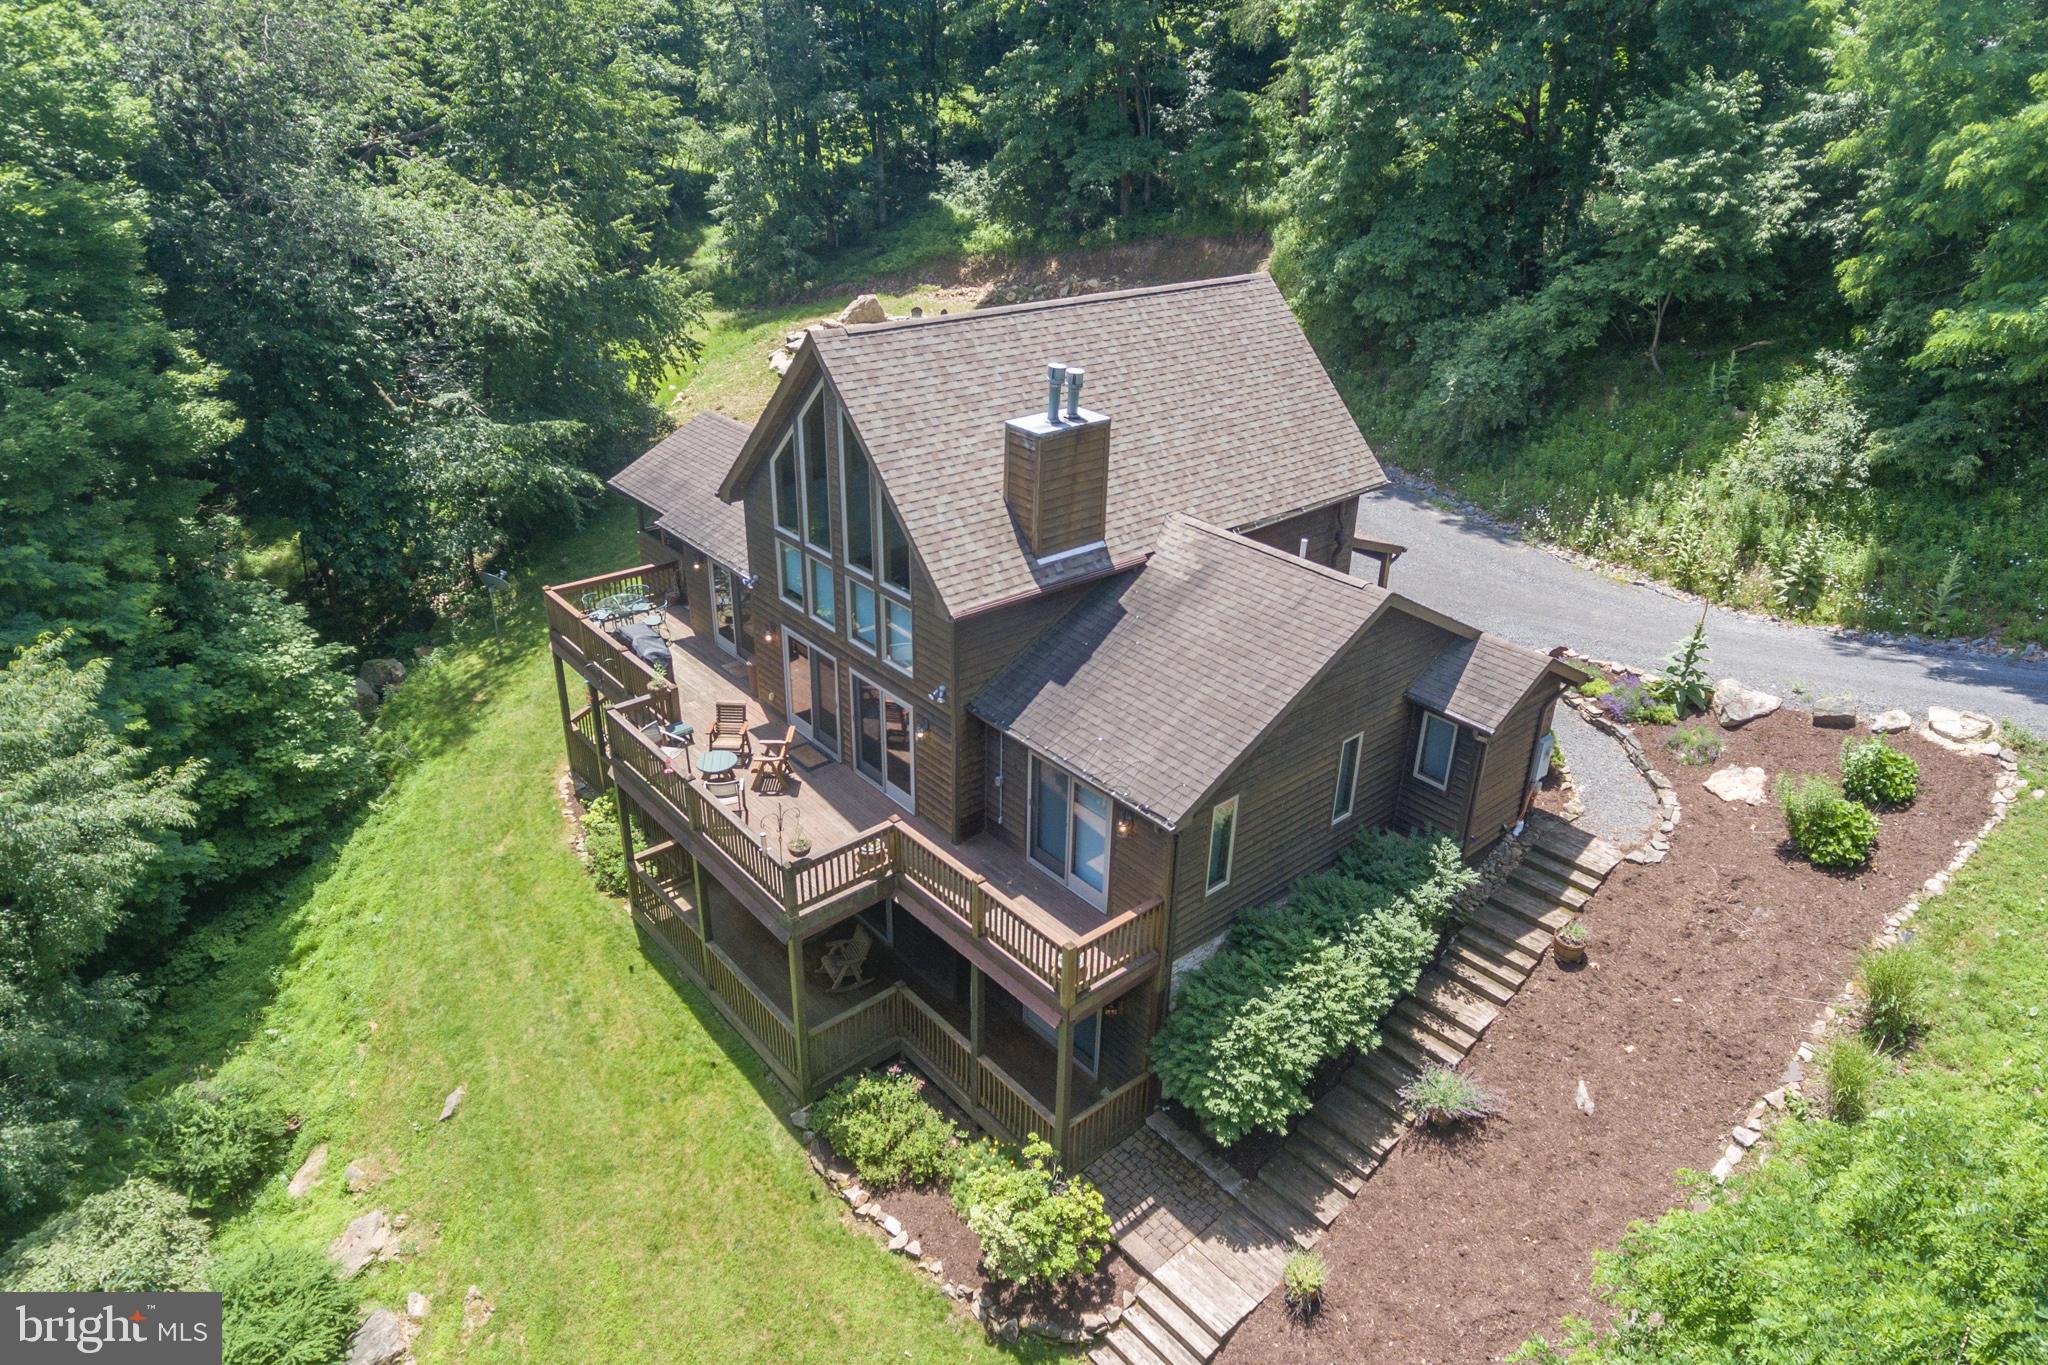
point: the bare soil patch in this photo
(1703, 972)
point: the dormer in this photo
(1056, 470)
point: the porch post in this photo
(796, 1019)
(1062, 1085)
(562, 695)
(974, 1011)
(703, 905)
(626, 842)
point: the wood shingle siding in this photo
(1327, 529)
(1422, 805)
(1503, 777)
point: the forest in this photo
(311, 311)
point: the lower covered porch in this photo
(911, 994)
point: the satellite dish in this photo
(496, 582)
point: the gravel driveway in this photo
(1495, 581)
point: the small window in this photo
(1222, 843)
(792, 573)
(789, 514)
(1346, 800)
(861, 628)
(896, 633)
(1433, 750)
(824, 591)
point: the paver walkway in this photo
(1195, 1298)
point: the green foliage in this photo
(1827, 828)
(603, 851)
(1442, 1097)
(1574, 931)
(1695, 745)
(137, 1237)
(85, 831)
(212, 1140)
(1301, 983)
(1595, 687)
(1876, 774)
(1815, 444)
(1036, 1226)
(282, 1305)
(1894, 997)
(883, 1124)
(1686, 683)
(1849, 1070)
(1802, 574)
(1302, 1278)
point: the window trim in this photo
(855, 583)
(1344, 804)
(887, 600)
(802, 599)
(1430, 718)
(1065, 876)
(847, 440)
(1229, 849)
(803, 465)
(790, 448)
(813, 563)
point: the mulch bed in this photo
(1703, 973)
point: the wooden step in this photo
(1332, 1168)
(1280, 1214)
(1455, 1000)
(1205, 1291)
(1530, 938)
(1508, 959)
(1416, 1045)
(1161, 1342)
(1595, 857)
(1541, 880)
(1542, 861)
(1422, 1016)
(1360, 1148)
(1390, 1072)
(1351, 1110)
(1167, 1310)
(1130, 1347)
(1246, 1249)
(1470, 972)
(1304, 1187)
(1545, 914)
(1107, 1353)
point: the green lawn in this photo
(618, 1182)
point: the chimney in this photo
(1056, 469)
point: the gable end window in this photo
(1434, 748)
(1222, 843)
(1345, 803)
(789, 515)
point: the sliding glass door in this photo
(811, 678)
(725, 616)
(883, 736)
(1070, 827)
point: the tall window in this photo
(788, 497)
(817, 486)
(1222, 843)
(1346, 799)
(895, 552)
(857, 495)
(1434, 748)
(877, 560)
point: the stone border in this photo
(1596, 715)
(1841, 1011)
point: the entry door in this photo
(882, 741)
(1070, 830)
(724, 609)
(812, 681)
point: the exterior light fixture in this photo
(1123, 827)
(924, 732)
(938, 695)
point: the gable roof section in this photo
(1477, 682)
(1218, 407)
(678, 479)
(1153, 688)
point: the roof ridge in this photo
(1036, 305)
(1288, 557)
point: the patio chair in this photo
(729, 732)
(773, 763)
(843, 961)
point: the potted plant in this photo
(799, 845)
(1303, 1278)
(1568, 942)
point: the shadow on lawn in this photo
(737, 1049)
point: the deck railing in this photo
(851, 1035)
(999, 1096)
(601, 659)
(586, 759)
(1109, 1120)
(1068, 966)
(767, 1027)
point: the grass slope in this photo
(617, 1182)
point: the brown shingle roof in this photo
(1477, 682)
(679, 477)
(1153, 687)
(1218, 404)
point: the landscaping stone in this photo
(382, 675)
(1962, 727)
(898, 1241)
(1736, 706)
(1835, 713)
(1746, 1136)
(854, 1195)
(890, 1224)
(416, 1305)
(476, 1311)
(1891, 722)
(1584, 1098)
(1733, 783)
(359, 1176)
(308, 1174)
(452, 1103)
(865, 308)
(369, 1238)
(379, 1341)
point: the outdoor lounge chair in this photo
(843, 961)
(772, 765)
(729, 732)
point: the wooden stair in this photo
(1192, 1303)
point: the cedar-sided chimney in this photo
(1056, 469)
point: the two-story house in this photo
(1056, 601)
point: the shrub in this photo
(212, 1140)
(1299, 984)
(1303, 1277)
(602, 850)
(1685, 683)
(1595, 687)
(1828, 829)
(282, 1306)
(1635, 702)
(1876, 774)
(1894, 997)
(883, 1124)
(1036, 1225)
(138, 1237)
(1694, 744)
(1441, 1097)
(1849, 1072)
